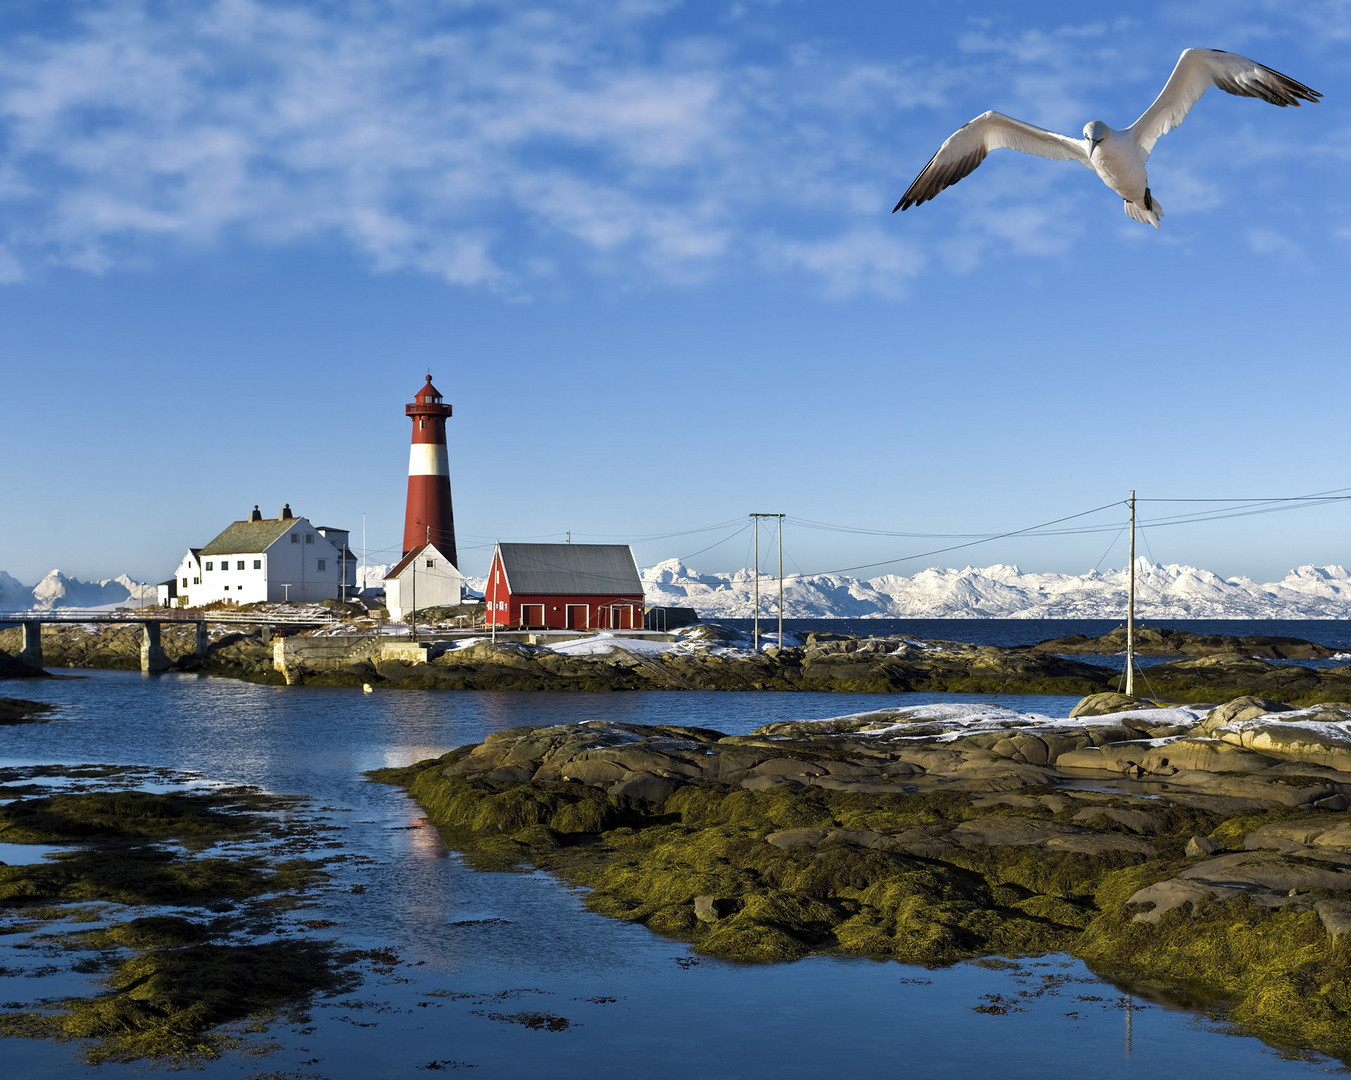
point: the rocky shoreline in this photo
(708, 657)
(1199, 854)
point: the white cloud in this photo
(10, 269)
(1273, 243)
(421, 140)
(865, 261)
(485, 141)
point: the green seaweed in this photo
(1276, 973)
(170, 1003)
(143, 874)
(192, 819)
(697, 867)
(174, 983)
(21, 711)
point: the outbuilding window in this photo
(323, 564)
(295, 538)
(309, 538)
(257, 564)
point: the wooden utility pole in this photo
(756, 634)
(1130, 611)
(780, 581)
(755, 637)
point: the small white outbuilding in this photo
(423, 578)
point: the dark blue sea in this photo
(1334, 633)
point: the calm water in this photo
(473, 945)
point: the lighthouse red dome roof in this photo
(428, 392)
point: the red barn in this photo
(564, 587)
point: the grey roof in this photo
(571, 570)
(242, 537)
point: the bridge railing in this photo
(179, 615)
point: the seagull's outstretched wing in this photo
(1196, 72)
(966, 148)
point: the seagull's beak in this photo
(1092, 145)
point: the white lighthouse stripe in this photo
(428, 459)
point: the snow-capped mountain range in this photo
(992, 592)
(1005, 592)
(58, 590)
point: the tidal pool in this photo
(509, 974)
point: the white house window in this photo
(431, 563)
(257, 564)
(210, 565)
(196, 581)
(323, 564)
(295, 538)
(185, 583)
(239, 565)
(227, 588)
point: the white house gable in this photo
(423, 578)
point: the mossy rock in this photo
(927, 874)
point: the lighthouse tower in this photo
(428, 516)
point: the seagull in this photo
(1118, 157)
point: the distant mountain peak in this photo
(59, 590)
(1004, 591)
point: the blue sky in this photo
(646, 250)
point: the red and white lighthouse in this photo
(428, 516)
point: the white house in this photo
(186, 582)
(422, 579)
(273, 559)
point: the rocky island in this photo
(1199, 854)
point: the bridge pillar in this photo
(152, 654)
(201, 640)
(32, 643)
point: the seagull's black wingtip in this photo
(899, 206)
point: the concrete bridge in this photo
(152, 652)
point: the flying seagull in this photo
(1118, 157)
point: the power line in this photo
(1215, 510)
(730, 536)
(973, 543)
